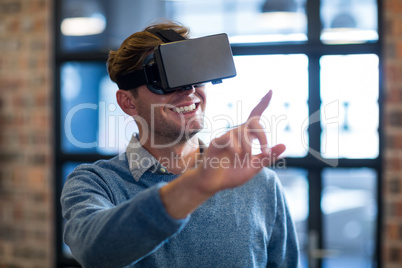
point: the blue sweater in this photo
(116, 221)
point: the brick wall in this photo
(392, 175)
(26, 198)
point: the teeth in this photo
(185, 108)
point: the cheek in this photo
(153, 104)
(202, 94)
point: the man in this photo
(170, 202)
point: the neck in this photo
(177, 157)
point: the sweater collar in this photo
(140, 160)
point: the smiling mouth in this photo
(185, 109)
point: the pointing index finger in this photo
(261, 106)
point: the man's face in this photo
(176, 116)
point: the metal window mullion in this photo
(57, 169)
(313, 21)
(314, 102)
(315, 228)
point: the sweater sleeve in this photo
(101, 234)
(283, 248)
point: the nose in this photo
(187, 91)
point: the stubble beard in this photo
(172, 132)
(161, 132)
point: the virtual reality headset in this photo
(180, 63)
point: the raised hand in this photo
(228, 161)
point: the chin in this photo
(191, 133)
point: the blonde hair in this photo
(133, 50)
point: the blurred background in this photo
(333, 66)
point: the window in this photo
(349, 209)
(229, 104)
(349, 83)
(320, 58)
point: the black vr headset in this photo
(182, 63)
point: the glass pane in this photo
(245, 21)
(230, 103)
(79, 98)
(98, 25)
(91, 120)
(349, 21)
(349, 108)
(349, 206)
(295, 186)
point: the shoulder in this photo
(266, 182)
(263, 184)
(99, 172)
(103, 178)
(267, 176)
(115, 164)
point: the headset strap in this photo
(147, 74)
(167, 36)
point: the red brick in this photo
(10, 7)
(394, 94)
(394, 255)
(399, 50)
(392, 52)
(394, 141)
(392, 231)
(26, 128)
(396, 26)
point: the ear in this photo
(126, 102)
